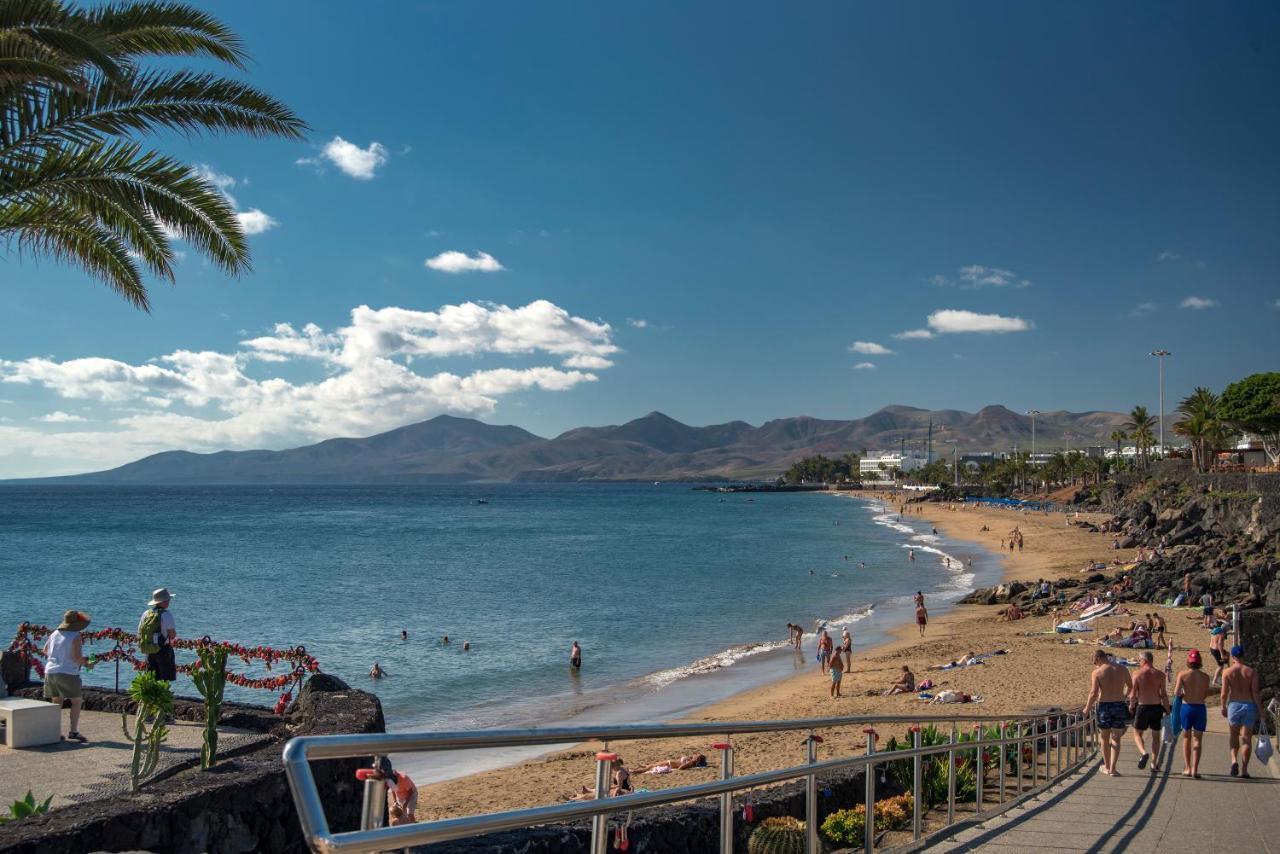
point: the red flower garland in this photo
(26, 643)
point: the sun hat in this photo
(1193, 657)
(73, 621)
(160, 596)
(1237, 651)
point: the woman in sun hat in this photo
(64, 656)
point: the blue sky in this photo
(698, 208)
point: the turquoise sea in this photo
(677, 596)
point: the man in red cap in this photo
(1192, 685)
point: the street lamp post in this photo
(1160, 354)
(1033, 413)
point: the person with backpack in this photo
(156, 634)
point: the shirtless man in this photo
(1192, 685)
(1149, 702)
(575, 656)
(1241, 702)
(922, 618)
(824, 650)
(1108, 686)
(846, 649)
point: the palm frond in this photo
(167, 29)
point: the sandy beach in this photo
(1038, 671)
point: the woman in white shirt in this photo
(64, 656)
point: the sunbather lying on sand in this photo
(684, 763)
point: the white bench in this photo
(30, 723)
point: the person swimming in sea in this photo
(575, 656)
(376, 672)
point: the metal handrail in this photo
(299, 751)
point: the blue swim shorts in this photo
(1194, 716)
(1242, 714)
(836, 675)
(1112, 715)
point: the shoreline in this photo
(1050, 676)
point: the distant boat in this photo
(481, 501)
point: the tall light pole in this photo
(1033, 413)
(955, 461)
(1160, 354)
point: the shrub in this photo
(24, 807)
(846, 827)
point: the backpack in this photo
(148, 629)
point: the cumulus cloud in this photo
(453, 261)
(950, 320)
(60, 417)
(351, 159)
(981, 276)
(864, 366)
(253, 221)
(365, 380)
(869, 348)
(913, 335)
(1198, 303)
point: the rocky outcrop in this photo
(243, 804)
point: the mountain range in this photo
(447, 449)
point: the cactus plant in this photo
(210, 678)
(778, 835)
(154, 699)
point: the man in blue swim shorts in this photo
(1241, 700)
(1192, 685)
(1109, 685)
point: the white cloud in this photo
(60, 417)
(1198, 303)
(869, 348)
(982, 276)
(353, 160)
(1278, 303)
(453, 261)
(1168, 255)
(950, 320)
(1144, 308)
(365, 382)
(253, 221)
(864, 366)
(913, 335)
(637, 323)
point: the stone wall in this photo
(1260, 636)
(243, 804)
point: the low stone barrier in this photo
(242, 804)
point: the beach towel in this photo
(1176, 715)
(1167, 734)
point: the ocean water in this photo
(677, 596)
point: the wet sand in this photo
(1038, 671)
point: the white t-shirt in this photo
(166, 626)
(57, 651)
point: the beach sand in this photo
(1039, 672)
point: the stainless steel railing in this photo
(1048, 735)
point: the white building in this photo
(879, 467)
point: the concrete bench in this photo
(30, 723)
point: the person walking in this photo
(1109, 685)
(1149, 701)
(1241, 704)
(1192, 686)
(64, 656)
(922, 618)
(156, 634)
(575, 656)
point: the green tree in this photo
(75, 92)
(1140, 428)
(1253, 405)
(1118, 436)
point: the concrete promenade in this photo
(1140, 811)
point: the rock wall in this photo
(243, 804)
(1260, 636)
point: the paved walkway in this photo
(1140, 811)
(75, 773)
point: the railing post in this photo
(869, 773)
(979, 771)
(951, 775)
(1048, 750)
(726, 800)
(600, 822)
(811, 799)
(374, 801)
(1018, 758)
(917, 772)
(1004, 756)
(1057, 729)
(1035, 755)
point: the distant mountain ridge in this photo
(447, 449)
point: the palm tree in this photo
(1202, 425)
(74, 183)
(1139, 427)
